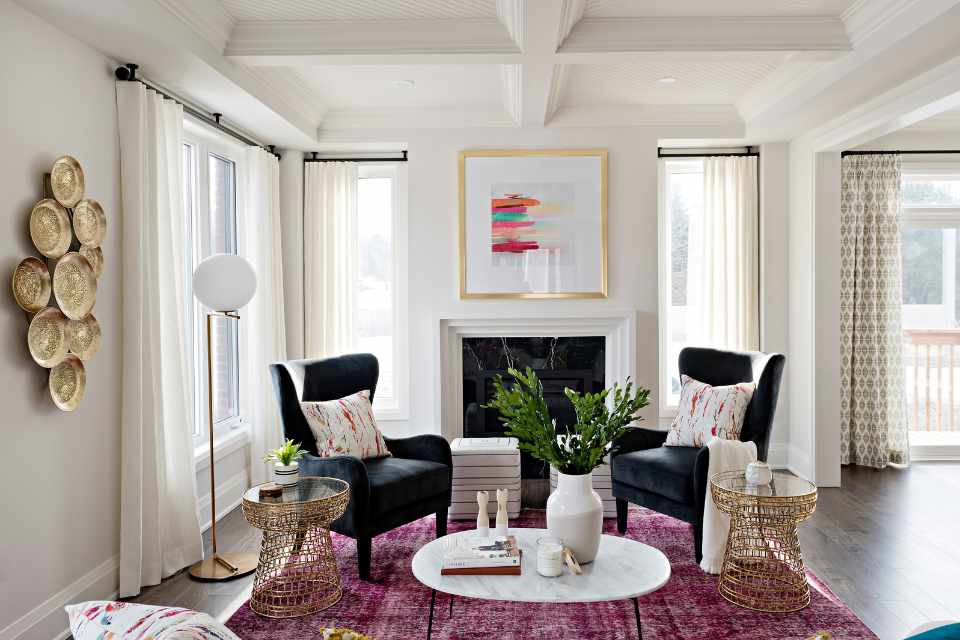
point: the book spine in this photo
(470, 563)
(483, 571)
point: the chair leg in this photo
(364, 546)
(441, 523)
(698, 541)
(621, 515)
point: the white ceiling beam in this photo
(287, 43)
(546, 23)
(821, 35)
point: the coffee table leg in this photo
(636, 612)
(433, 600)
(451, 605)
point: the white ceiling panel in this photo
(366, 87)
(697, 81)
(343, 10)
(634, 8)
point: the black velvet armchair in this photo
(673, 480)
(384, 492)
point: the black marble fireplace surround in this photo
(576, 362)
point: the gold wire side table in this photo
(763, 566)
(297, 573)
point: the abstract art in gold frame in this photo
(533, 223)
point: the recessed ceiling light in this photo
(404, 84)
(667, 80)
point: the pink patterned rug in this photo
(395, 605)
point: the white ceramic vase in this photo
(758, 473)
(575, 515)
(286, 474)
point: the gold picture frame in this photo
(515, 153)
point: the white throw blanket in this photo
(725, 455)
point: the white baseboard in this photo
(100, 583)
(798, 462)
(229, 496)
(933, 453)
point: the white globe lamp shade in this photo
(224, 282)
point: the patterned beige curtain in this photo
(873, 414)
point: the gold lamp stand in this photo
(229, 565)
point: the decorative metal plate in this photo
(89, 223)
(68, 381)
(85, 337)
(74, 285)
(49, 337)
(94, 256)
(50, 228)
(31, 284)
(67, 181)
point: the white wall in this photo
(632, 195)
(61, 474)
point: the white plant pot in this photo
(758, 473)
(286, 474)
(575, 515)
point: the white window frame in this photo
(399, 409)
(204, 141)
(666, 410)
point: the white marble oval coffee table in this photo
(623, 570)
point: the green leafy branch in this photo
(582, 447)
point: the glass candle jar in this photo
(549, 556)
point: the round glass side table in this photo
(297, 573)
(763, 566)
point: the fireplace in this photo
(575, 362)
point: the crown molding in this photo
(416, 118)
(557, 83)
(669, 33)
(641, 115)
(210, 19)
(316, 42)
(510, 13)
(570, 15)
(865, 17)
(286, 87)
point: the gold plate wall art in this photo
(31, 284)
(85, 337)
(68, 381)
(89, 223)
(67, 181)
(49, 337)
(50, 228)
(74, 285)
(94, 256)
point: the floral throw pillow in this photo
(105, 620)
(708, 412)
(345, 427)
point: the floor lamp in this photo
(223, 283)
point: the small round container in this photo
(549, 556)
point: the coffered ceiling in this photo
(328, 65)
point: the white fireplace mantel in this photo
(618, 327)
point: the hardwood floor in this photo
(887, 543)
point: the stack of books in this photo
(476, 556)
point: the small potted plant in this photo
(574, 510)
(286, 469)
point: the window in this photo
(930, 249)
(380, 320)
(210, 175)
(681, 198)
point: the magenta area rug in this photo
(688, 607)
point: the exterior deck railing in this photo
(931, 360)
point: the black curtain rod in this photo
(740, 154)
(921, 152)
(314, 158)
(128, 73)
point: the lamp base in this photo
(224, 566)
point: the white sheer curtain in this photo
(159, 527)
(261, 325)
(330, 256)
(723, 280)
